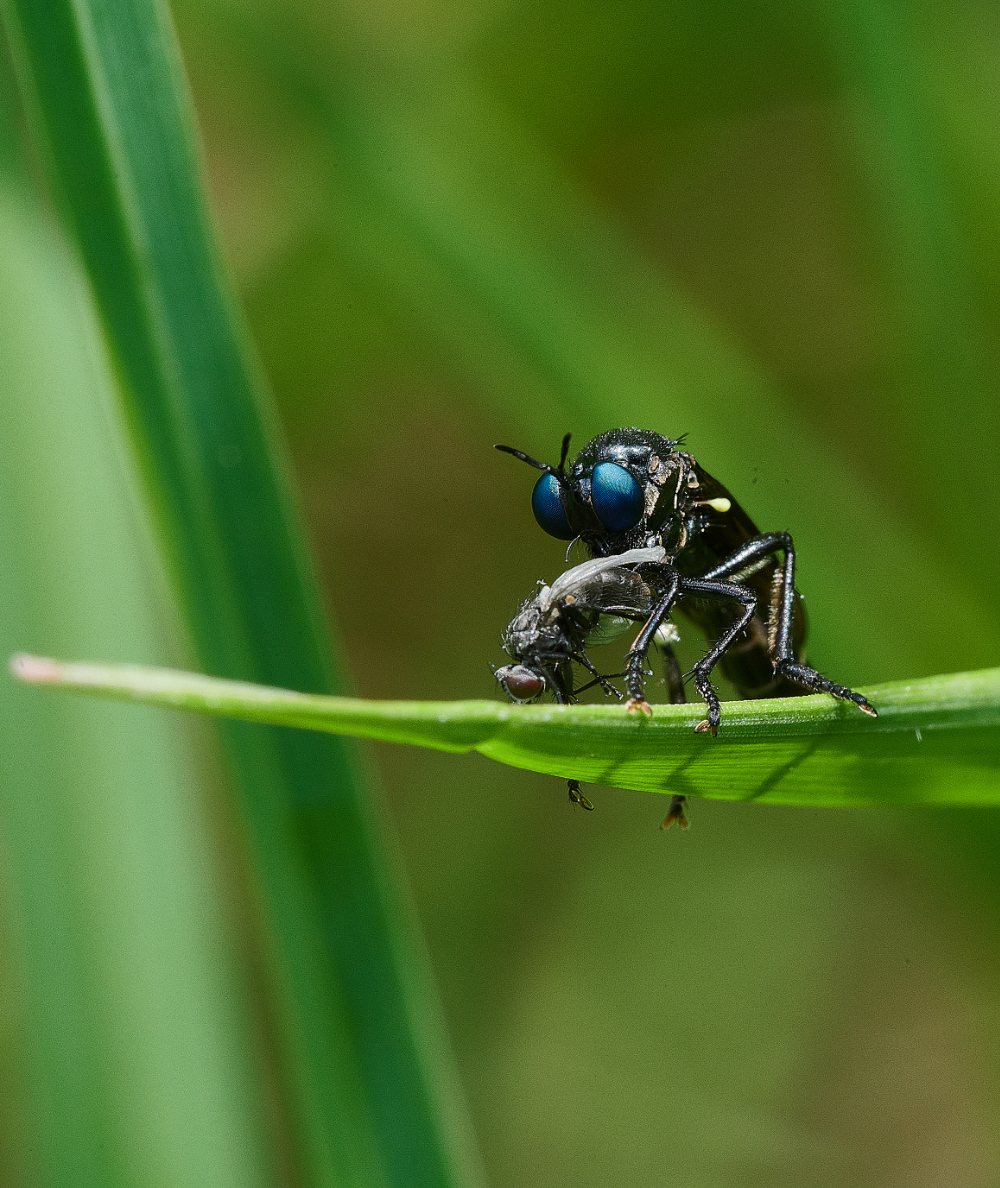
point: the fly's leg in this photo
(783, 658)
(583, 659)
(636, 657)
(675, 684)
(605, 682)
(760, 547)
(703, 668)
(675, 692)
(676, 813)
(809, 678)
(675, 678)
(577, 797)
(564, 697)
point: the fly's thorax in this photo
(527, 619)
(538, 636)
(674, 489)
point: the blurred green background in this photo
(773, 229)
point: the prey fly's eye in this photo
(616, 497)
(520, 683)
(548, 508)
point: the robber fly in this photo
(590, 604)
(635, 489)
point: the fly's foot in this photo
(676, 813)
(634, 673)
(704, 686)
(809, 678)
(638, 705)
(577, 797)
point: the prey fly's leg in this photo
(564, 697)
(703, 668)
(604, 678)
(637, 653)
(783, 658)
(584, 660)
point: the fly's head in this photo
(522, 683)
(625, 489)
(538, 641)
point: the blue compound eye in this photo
(616, 496)
(548, 508)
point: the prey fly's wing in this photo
(573, 582)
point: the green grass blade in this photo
(369, 1099)
(884, 53)
(935, 741)
(137, 1064)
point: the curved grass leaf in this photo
(130, 1057)
(362, 1059)
(935, 741)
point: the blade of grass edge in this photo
(370, 1096)
(936, 741)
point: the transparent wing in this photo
(580, 577)
(612, 590)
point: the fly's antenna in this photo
(565, 451)
(558, 472)
(531, 461)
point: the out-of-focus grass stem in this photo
(368, 1096)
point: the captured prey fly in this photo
(590, 604)
(635, 489)
(554, 627)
